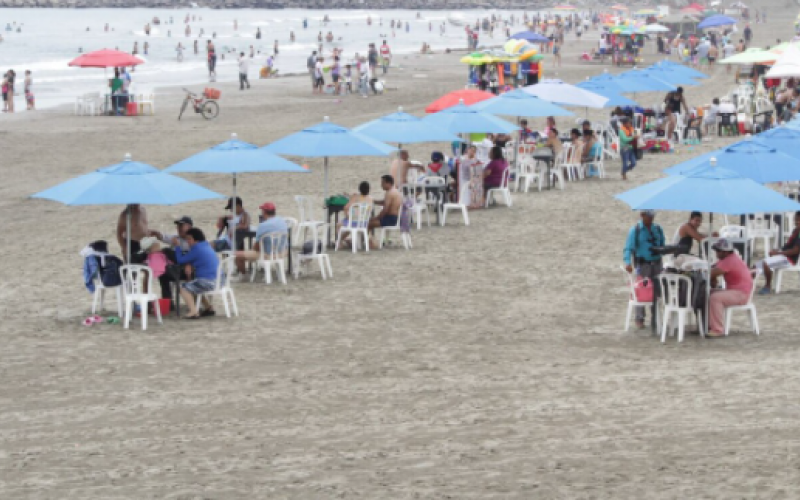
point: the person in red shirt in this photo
(738, 283)
(386, 56)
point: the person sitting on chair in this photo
(738, 282)
(270, 223)
(689, 232)
(781, 259)
(205, 263)
(553, 141)
(241, 221)
(392, 201)
(493, 173)
(359, 198)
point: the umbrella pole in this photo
(325, 185)
(128, 235)
(708, 281)
(233, 217)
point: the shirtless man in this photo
(400, 166)
(139, 230)
(391, 204)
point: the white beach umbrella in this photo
(559, 92)
(788, 65)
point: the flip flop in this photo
(88, 321)
(191, 317)
(112, 320)
(97, 319)
(207, 312)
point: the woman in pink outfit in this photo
(738, 282)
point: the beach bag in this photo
(643, 290)
(109, 273)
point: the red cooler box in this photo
(132, 109)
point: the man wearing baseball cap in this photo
(270, 224)
(738, 285)
(638, 252)
(182, 225)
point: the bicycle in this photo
(204, 104)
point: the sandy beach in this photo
(489, 362)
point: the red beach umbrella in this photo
(106, 59)
(468, 96)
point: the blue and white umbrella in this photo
(462, 119)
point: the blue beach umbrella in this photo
(325, 140)
(127, 183)
(712, 21)
(614, 99)
(618, 84)
(752, 159)
(708, 189)
(462, 119)
(686, 70)
(670, 76)
(235, 157)
(644, 82)
(518, 103)
(784, 139)
(404, 128)
(531, 37)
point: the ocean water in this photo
(50, 38)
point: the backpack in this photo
(109, 274)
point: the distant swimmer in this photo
(258, 33)
(106, 28)
(291, 36)
(179, 50)
(80, 50)
(319, 36)
(305, 23)
(214, 35)
(169, 34)
(275, 48)
(235, 25)
(146, 47)
(329, 37)
(369, 20)
(195, 47)
(188, 30)
(87, 28)
(135, 48)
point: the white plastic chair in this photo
(133, 283)
(272, 259)
(632, 302)
(556, 172)
(597, 163)
(406, 237)
(357, 224)
(307, 219)
(319, 245)
(779, 275)
(528, 174)
(146, 101)
(412, 191)
(98, 299)
(760, 228)
(502, 190)
(670, 296)
(446, 207)
(87, 104)
(749, 308)
(223, 287)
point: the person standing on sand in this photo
(138, 230)
(310, 65)
(244, 66)
(29, 98)
(179, 50)
(212, 61)
(386, 56)
(275, 48)
(638, 253)
(5, 92)
(195, 47)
